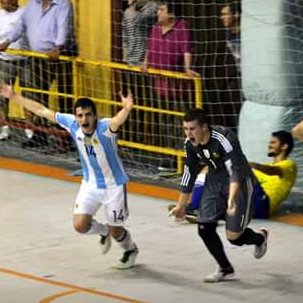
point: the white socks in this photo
(98, 228)
(125, 241)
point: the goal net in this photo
(172, 55)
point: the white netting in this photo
(114, 37)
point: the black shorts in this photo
(213, 205)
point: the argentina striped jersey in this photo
(101, 165)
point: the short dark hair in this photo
(85, 103)
(172, 7)
(198, 114)
(285, 137)
(235, 8)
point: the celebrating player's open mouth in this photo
(87, 120)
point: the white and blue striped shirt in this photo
(101, 165)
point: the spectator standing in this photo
(227, 108)
(48, 26)
(225, 104)
(11, 66)
(230, 17)
(137, 20)
(170, 47)
(136, 24)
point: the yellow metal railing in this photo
(83, 85)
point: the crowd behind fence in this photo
(155, 124)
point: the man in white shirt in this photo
(11, 66)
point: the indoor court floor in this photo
(43, 260)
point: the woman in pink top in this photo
(170, 47)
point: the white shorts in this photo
(114, 200)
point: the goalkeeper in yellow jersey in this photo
(275, 179)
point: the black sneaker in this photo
(128, 259)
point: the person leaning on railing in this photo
(137, 21)
(48, 27)
(170, 47)
(11, 66)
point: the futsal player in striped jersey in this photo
(228, 190)
(104, 179)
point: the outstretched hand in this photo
(6, 90)
(178, 212)
(127, 101)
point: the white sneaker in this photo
(260, 250)
(128, 259)
(220, 274)
(5, 133)
(29, 133)
(105, 243)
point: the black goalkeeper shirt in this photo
(223, 156)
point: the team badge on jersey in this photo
(88, 140)
(216, 155)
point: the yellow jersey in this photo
(277, 188)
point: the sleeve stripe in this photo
(186, 176)
(224, 142)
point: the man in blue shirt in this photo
(11, 66)
(48, 27)
(104, 179)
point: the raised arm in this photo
(267, 169)
(297, 131)
(35, 107)
(122, 115)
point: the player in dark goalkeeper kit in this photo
(228, 190)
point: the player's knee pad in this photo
(207, 230)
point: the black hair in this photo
(198, 114)
(235, 8)
(85, 103)
(172, 7)
(285, 137)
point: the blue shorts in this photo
(260, 203)
(196, 196)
